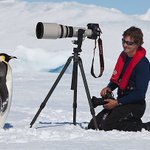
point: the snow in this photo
(32, 79)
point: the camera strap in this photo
(101, 58)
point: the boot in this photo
(146, 126)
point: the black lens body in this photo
(101, 101)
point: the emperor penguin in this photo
(6, 58)
(5, 81)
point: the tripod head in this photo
(79, 41)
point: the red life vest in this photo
(123, 83)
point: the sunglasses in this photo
(127, 42)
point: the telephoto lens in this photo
(54, 31)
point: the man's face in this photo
(129, 46)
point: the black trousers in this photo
(3, 87)
(125, 118)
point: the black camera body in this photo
(101, 101)
(96, 31)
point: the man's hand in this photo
(104, 91)
(110, 104)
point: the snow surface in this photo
(32, 79)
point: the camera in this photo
(54, 31)
(101, 101)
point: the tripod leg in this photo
(74, 87)
(88, 93)
(51, 91)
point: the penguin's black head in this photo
(5, 57)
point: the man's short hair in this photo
(135, 33)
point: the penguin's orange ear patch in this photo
(2, 58)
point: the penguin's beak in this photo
(13, 57)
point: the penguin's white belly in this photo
(3, 115)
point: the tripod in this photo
(77, 61)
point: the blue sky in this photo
(126, 6)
